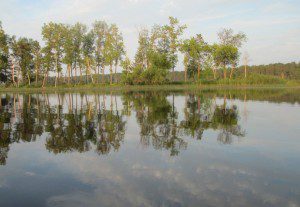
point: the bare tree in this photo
(246, 62)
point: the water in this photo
(154, 148)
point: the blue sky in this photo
(272, 27)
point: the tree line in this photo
(85, 54)
(282, 70)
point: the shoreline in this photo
(172, 87)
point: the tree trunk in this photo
(214, 72)
(199, 68)
(36, 76)
(111, 71)
(98, 74)
(245, 69)
(80, 75)
(173, 74)
(76, 80)
(69, 73)
(90, 71)
(116, 65)
(56, 77)
(231, 72)
(185, 73)
(55, 81)
(224, 72)
(45, 78)
(28, 77)
(103, 75)
(18, 81)
(13, 73)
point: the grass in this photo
(253, 81)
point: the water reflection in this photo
(154, 148)
(81, 122)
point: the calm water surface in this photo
(210, 148)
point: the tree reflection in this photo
(197, 115)
(225, 119)
(81, 122)
(158, 121)
(5, 129)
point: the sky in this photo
(272, 26)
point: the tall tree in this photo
(15, 60)
(53, 34)
(88, 51)
(224, 56)
(69, 49)
(210, 63)
(118, 47)
(227, 37)
(100, 29)
(245, 62)
(4, 54)
(141, 56)
(24, 53)
(109, 49)
(229, 40)
(79, 34)
(47, 63)
(174, 32)
(37, 59)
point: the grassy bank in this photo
(172, 87)
(253, 81)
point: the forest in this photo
(75, 54)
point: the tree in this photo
(53, 35)
(100, 29)
(174, 31)
(118, 47)
(4, 54)
(229, 41)
(211, 64)
(225, 55)
(79, 33)
(47, 63)
(37, 59)
(227, 37)
(127, 70)
(69, 48)
(141, 56)
(88, 51)
(196, 50)
(202, 53)
(152, 60)
(23, 51)
(246, 62)
(109, 49)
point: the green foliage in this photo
(253, 79)
(227, 37)
(172, 32)
(53, 35)
(100, 29)
(156, 54)
(4, 55)
(225, 55)
(290, 71)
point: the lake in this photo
(151, 148)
